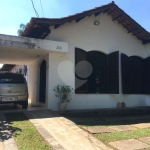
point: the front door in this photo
(42, 87)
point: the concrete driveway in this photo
(59, 132)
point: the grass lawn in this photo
(25, 134)
(106, 138)
(116, 136)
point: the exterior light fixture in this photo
(96, 23)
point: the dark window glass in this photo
(80, 81)
(147, 75)
(97, 82)
(136, 75)
(125, 74)
(12, 78)
(113, 73)
(104, 77)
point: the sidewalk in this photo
(61, 133)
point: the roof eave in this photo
(39, 27)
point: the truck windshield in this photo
(12, 78)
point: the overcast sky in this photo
(14, 12)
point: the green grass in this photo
(106, 138)
(24, 133)
(116, 136)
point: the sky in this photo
(15, 12)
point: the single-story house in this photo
(102, 53)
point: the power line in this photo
(36, 13)
(42, 8)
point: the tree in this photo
(22, 28)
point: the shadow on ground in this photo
(107, 121)
(8, 107)
(109, 116)
(5, 130)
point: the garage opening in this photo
(24, 58)
(30, 57)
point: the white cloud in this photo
(10, 30)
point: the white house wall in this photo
(147, 49)
(32, 43)
(109, 36)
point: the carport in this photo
(34, 53)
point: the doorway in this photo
(42, 85)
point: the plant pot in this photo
(62, 106)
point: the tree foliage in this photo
(22, 28)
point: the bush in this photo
(63, 92)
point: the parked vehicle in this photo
(13, 89)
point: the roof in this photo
(39, 27)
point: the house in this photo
(102, 53)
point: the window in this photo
(12, 78)
(80, 83)
(97, 82)
(147, 75)
(105, 75)
(135, 75)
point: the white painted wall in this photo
(32, 43)
(147, 49)
(109, 36)
(23, 50)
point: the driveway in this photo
(61, 133)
